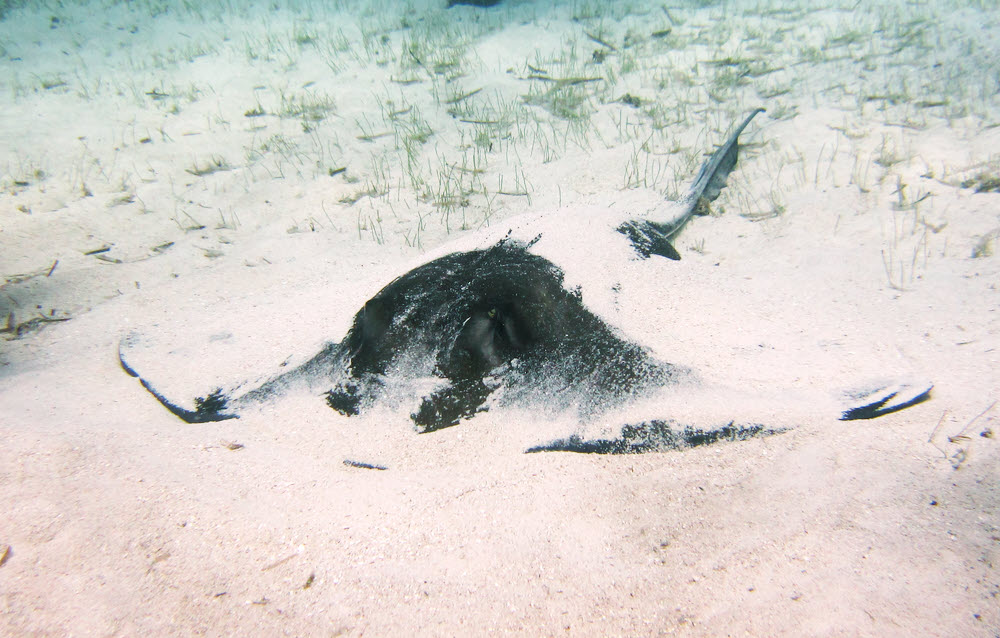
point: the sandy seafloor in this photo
(199, 143)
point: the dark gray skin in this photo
(502, 317)
(474, 3)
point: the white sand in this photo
(121, 520)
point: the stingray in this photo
(510, 318)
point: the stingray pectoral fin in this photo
(447, 406)
(656, 436)
(207, 409)
(879, 398)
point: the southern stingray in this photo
(508, 319)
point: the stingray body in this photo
(509, 320)
(501, 316)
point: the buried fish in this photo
(512, 319)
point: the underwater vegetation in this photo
(454, 127)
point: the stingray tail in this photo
(207, 409)
(711, 178)
(650, 237)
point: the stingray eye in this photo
(492, 314)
